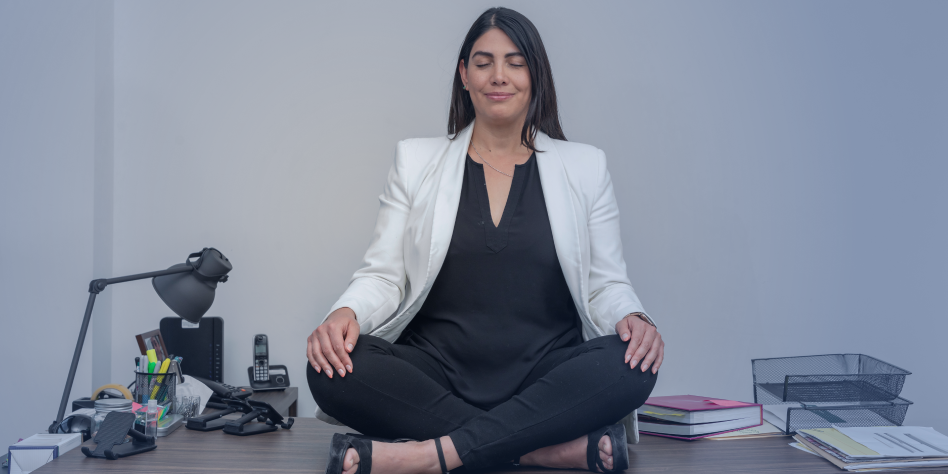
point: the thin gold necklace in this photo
(488, 164)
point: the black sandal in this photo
(620, 452)
(337, 453)
(444, 466)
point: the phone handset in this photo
(261, 358)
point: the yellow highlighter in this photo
(152, 360)
(163, 370)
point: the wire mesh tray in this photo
(826, 378)
(806, 416)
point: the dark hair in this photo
(542, 114)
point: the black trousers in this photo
(398, 391)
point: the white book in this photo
(684, 429)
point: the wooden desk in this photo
(305, 449)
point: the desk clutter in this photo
(124, 421)
(876, 448)
(827, 390)
(844, 408)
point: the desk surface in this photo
(305, 449)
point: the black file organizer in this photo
(832, 389)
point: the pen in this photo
(172, 369)
(165, 365)
(138, 368)
(177, 367)
(164, 369)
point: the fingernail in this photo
(342, 373)
(349, 347)
(627, 357)
(329, 372)
(318, 370)
(625, 336)
(634, 362)
(349, 367)
(644, 367)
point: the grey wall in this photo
(55, 137)
(780, 169)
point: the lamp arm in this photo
(54, 428)
(95, 287)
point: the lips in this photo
(499, 95)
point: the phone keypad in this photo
(261, 371)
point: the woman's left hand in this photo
(645, 343)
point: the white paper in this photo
(899, 441)
(765, 429)
(802, 447)
(888, 466)
(777, 415)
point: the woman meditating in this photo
(492, 321)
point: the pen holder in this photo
(160, 387)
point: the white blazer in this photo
(416, 221)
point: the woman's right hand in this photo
(328, 347)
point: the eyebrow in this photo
(491, 55)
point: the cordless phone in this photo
(261, 359)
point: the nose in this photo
(499, 76)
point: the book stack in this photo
(877, 448)
(692, 417)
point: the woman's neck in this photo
(501, 140)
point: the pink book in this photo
(694, 417)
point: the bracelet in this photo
(643, 317)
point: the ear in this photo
(463, 71)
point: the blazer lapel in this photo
(446, 207)
(561, 208)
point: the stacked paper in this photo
(881, 447)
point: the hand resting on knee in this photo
(328, 347)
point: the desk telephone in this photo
(264, 376)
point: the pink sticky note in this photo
(726, 403)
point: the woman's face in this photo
(497, 79)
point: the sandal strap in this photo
(364, 448)
(592, 450)
(620, 461)
(444, 466)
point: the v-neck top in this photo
(500, 302)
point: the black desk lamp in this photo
(187, 288)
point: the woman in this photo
(498, 321)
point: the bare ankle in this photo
(406, 458)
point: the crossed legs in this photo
(397, 391)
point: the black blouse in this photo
(500, 302)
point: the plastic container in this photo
(826, 378)
(151, 419)
(107, 405)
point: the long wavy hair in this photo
(542, 114)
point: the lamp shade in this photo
(191, 294)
